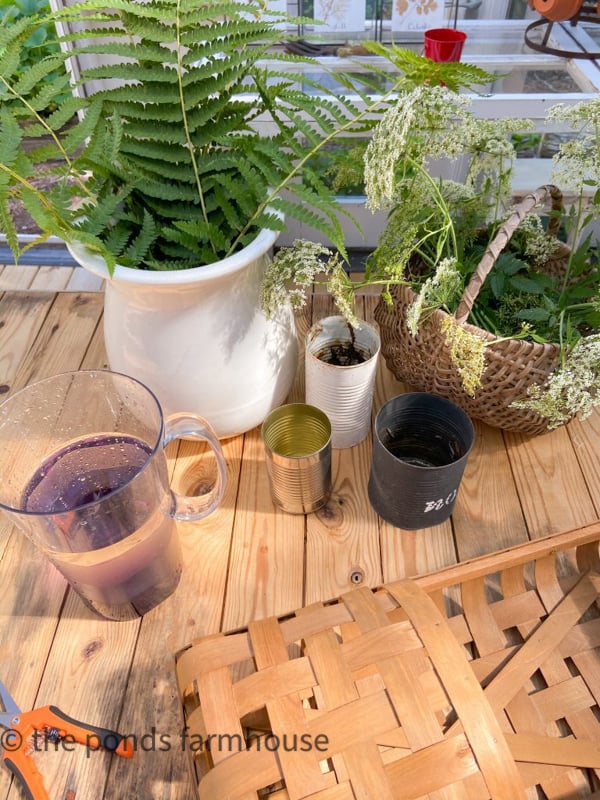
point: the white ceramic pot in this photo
(198, 338)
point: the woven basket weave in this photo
(513, 365)
(479, 681)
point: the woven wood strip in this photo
(477, 719)
(497, 700)
(537, 648)
(301, 767)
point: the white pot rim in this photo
(95, 264)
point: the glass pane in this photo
(417, 15)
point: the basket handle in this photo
(502, 238)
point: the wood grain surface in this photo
(248, 561)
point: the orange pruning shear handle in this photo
(28, 732)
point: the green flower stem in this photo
(577, 228)
(39, 119)
(65, 156)
(339, 129)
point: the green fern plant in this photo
(162, 166)
(165, 169)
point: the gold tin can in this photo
(297, 440)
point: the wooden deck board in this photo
(247, 561)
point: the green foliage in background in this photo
(41, 42)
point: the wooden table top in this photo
(246, 561)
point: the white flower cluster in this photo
(423, 123)
(572, 389)
(578, 159)
(538, 246)
(291, 272)
(441, 289)
(467, 353)
(342, 290)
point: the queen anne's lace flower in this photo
(441, 290)
(467, 352)
(436, 114)
(291, 272)
(578, 159)
(538, 246)
(572, 389)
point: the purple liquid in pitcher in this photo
(125, 555)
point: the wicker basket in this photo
(478, 681)
(513, 365)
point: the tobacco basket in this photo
(478, 681)
(513, 365)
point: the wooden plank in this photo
(83, 281)
(21, 318)
(15, 277)
(51, 278)
(194, 610)
(122, 675)
(64, 339)
(487, 515)
(342, 547)
(266, 567)
(585, 439)
(95, 357)
(31, 599)
(342, 544)
(174, 622)
(86, 677)
(551, 486)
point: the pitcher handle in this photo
(190, 425)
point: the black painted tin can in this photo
(421, 443)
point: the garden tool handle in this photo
(502, 238)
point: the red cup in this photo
(444, 44)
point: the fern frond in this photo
(162, 190)
(132, 72)
(153, 151)
(140, 111)
(178, 169)
(142, 51)
(16, 32)
(66, 112)
(417, 69)
(11, 137)
(166, 132)
(10, 60)
(147, 93)
(99, 215)
(326, 222)
(82, 132)
(10, 147)
(192, 234)
(7, 224)
(49, 93)
(94, 243)
(38, 73)
(157, 169)
(172, 264)
(116, 238)
(138, 249)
